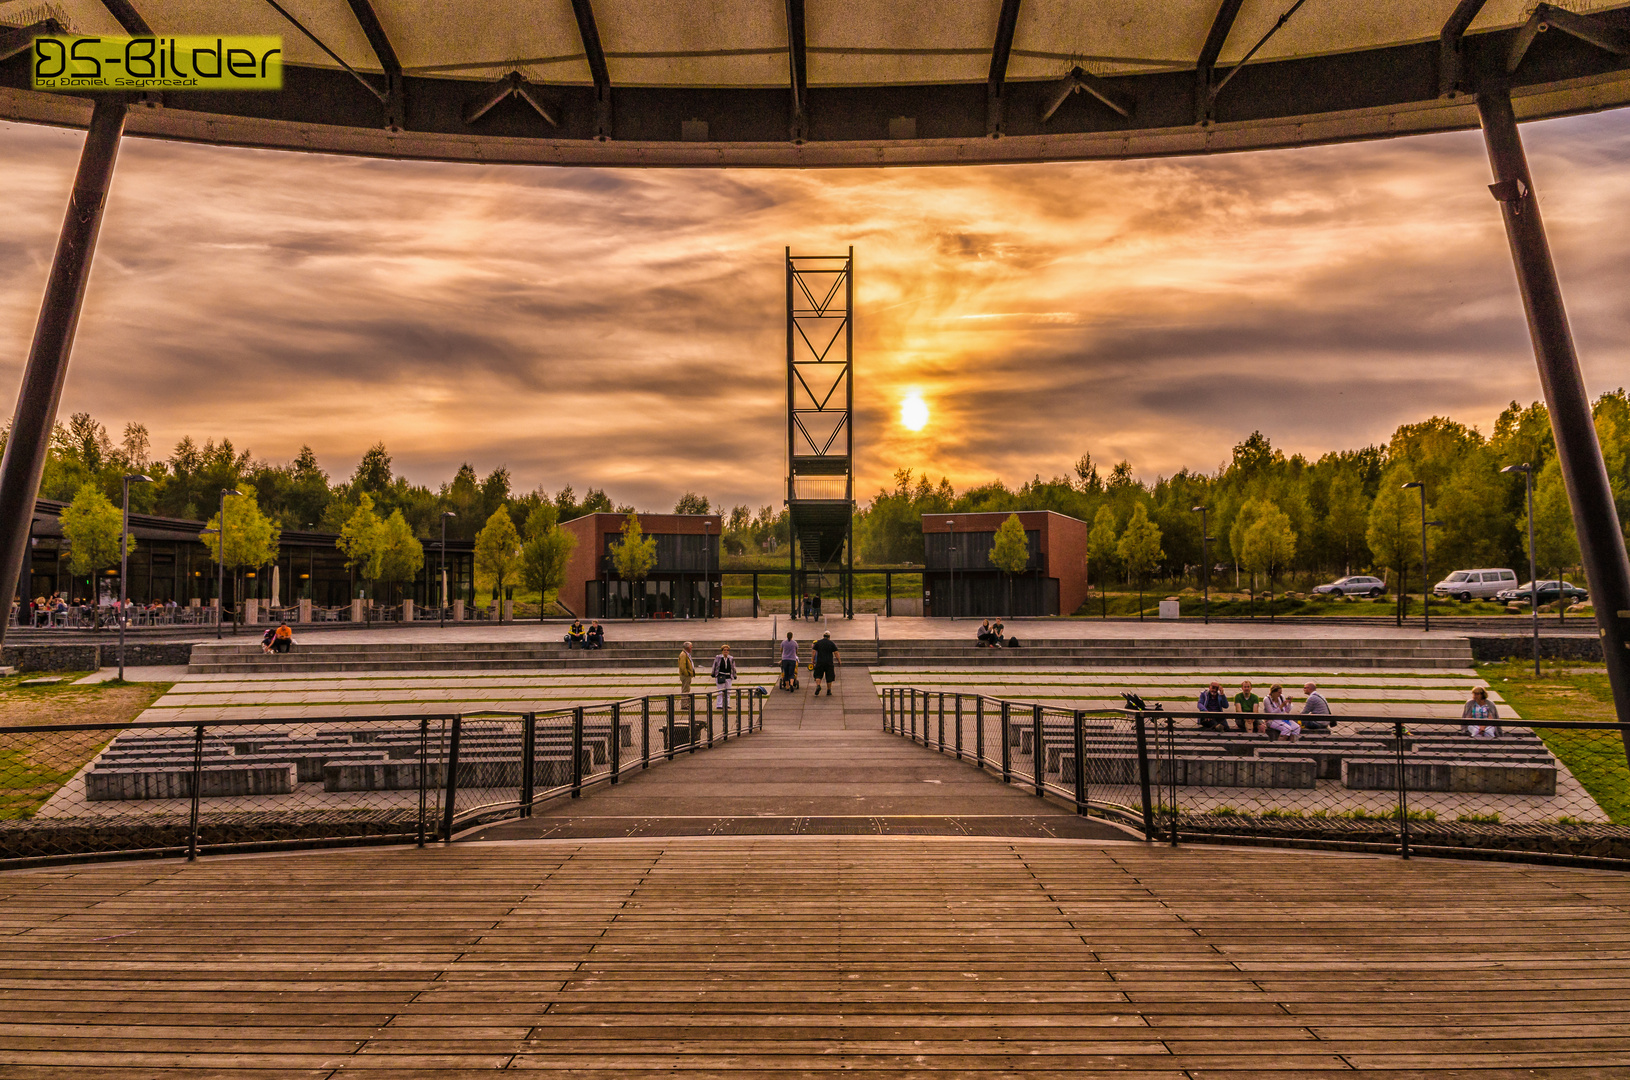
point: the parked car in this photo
(1483, 584)
(1548, 593)
(1353, 585)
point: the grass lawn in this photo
(1569, 690)
(33, 767)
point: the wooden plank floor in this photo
(796, 956)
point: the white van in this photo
(1475, 584)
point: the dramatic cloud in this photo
(624, 328)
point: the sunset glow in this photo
(913, 413)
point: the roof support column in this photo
(47, 365)
(1601, 544)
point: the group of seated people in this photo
(579, 638)
(991, 636)
(1275, 718)
(277, 639)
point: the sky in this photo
(624, 329)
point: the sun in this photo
(914, 413)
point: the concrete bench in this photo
(1482, 777)
(1214, 771)
(108, 785)
(550, 769)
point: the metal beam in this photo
(395, 109)
(128, 17)
(16, 39)
(1449, 41)
(1227, 12)
(1595, 519)
(512, 85)
(596, 56)
(1547, 17)
(47, 366)
(1077, 80)
(798, 71)
(999, 53)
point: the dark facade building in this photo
(170, 562)
(959, 580)
(683, 584)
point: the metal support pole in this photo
(979, 731)
(29, 440)
(1143, 778)
(709, 726)
(197, 790)
(1403, 791)
(577, 752)
(1038, 751)
(1080, 764)
(645, 732)
(942, 722)
(1171, 771)
(424, 754)
(452, 779)
(616, 739)
(529, 757)
(1601, 544)
(1533, 583)
(669, 748)
(959, 727)
(1007, 745)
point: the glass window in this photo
(1458, 575)
(1507, 575)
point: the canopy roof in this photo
(849, 82)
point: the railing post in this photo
(616, 739)
(577, 752)
(1007, 745)
(1080, 764)
(1403, 791)
(1143, 778)
(1038, 750)
(424, 787)
(710, 723)
(197, 790)
(670, 739)
(979, 731)
(911, 706)
(529, 758)
(645, 732)
(692, 727)
(941, 746)
(452, 779)
(749, 698)
(1171, 771)
(959, 727)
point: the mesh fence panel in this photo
(1416, 784)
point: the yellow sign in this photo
(188, 62)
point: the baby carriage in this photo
(789, 682)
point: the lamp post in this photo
(707, 571)
(950, 531)
(124, 562)
(1527, 471)
(1205, 565)
(220, 565)
(442, 620)
(1426, 578)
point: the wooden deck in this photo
(790, 956)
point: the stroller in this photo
(789, 683)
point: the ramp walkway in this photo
(822, 765)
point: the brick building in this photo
(957, 547)
(683, 583)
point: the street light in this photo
(1426, 578)
(124, 562)
(1205, 561)
(220, 566)
(445, 514)
(707, 572)
(1527, 471)
(950, 531)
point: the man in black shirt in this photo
(826, 659)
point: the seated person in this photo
(1315, 706)
(986, 636)
(282, 639)
(1479, 711)
(1246, 702)
(266, 639)
(996, 629)
(576, 637)
(1212, 699)
(597, 636)
(1281, 725)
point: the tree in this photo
(691, 503)
(360, 539)
(373, 473)
(251, 537)
(1139, 548)
(1394, 533)
(1103, 550)
(1010, 553)
(401, 556)
(498, 551)
(1270, 544)
(1346, 518)
(91, 524)
(1555, 545)
(635, 554)
(546, 552)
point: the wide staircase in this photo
(1220, 653)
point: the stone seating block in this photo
(1485, 777)
(164, 782)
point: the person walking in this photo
(789, 662)
(687, 669)
(724, 674)
(826, 661)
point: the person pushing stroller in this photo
(789, 664)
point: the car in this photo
(1547, 593)
(1353, 585)
(1481, 584)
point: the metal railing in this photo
(163, 788)
(1554, 791)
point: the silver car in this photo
(1353, 585)
(1480, 584)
